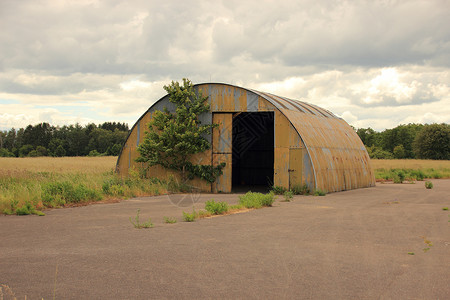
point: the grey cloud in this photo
(337, 47)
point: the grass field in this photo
(29, 185)
(61, 165)
(412, 169)
(410, 164)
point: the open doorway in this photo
(253, 151)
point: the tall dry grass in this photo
(85, 165)
(32, 184)
(412, 169)
(414, 164)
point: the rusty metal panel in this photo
(264, 105)
(223, 182)
(308, 172)
(294, 138)
(281, 130)
(222, 150)
(252, 102)
(295, 166)
(240, 99)
(143, 126)
(122, 162)
(339, 160)
(222, 135)
(222, 97)
(281, 167)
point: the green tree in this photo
(38, 135)
(41, 151)
(399, 152)
(100, 140)
(54, 144)
(114, 150)
(10, 139)
(433, 142)
(368, 136)
(377, 152)
(401, 135)
(59, 151)
(5, 153)
(3, 135)
(25, 150)
(77, 140)
(172, 138)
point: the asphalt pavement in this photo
(391, 241)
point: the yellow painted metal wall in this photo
(222, 150)
(295, 166)
(339, 159)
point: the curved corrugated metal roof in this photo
(295, 105)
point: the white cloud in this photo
(349, 117)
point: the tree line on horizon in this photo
(411, 141)
(69, 140)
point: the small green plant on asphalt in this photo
(428, 243)
(189, 217)
(278, 190)
(136, 223)
(216, 208)
(256, 200)
(319, 192)
(300, 189)
(445, 208)
(170, 220)
(237, 207)
(428, 185)
(288, 195)
(203, 214)
(410, 253)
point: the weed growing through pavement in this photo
(216, 208)
(319, 192)
(237, 207)
(189, 217)
(170, 220)
(256, 200)
(300, 189)
(139, 225)
(410, 253)
(445, 208)
(428, 243)
(428, 185)
(278, 190)
(288, 195)
(392, 202)
(203, 214)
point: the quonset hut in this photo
(266, 140)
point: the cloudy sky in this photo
(375, 63)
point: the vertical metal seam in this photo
(138, 132)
